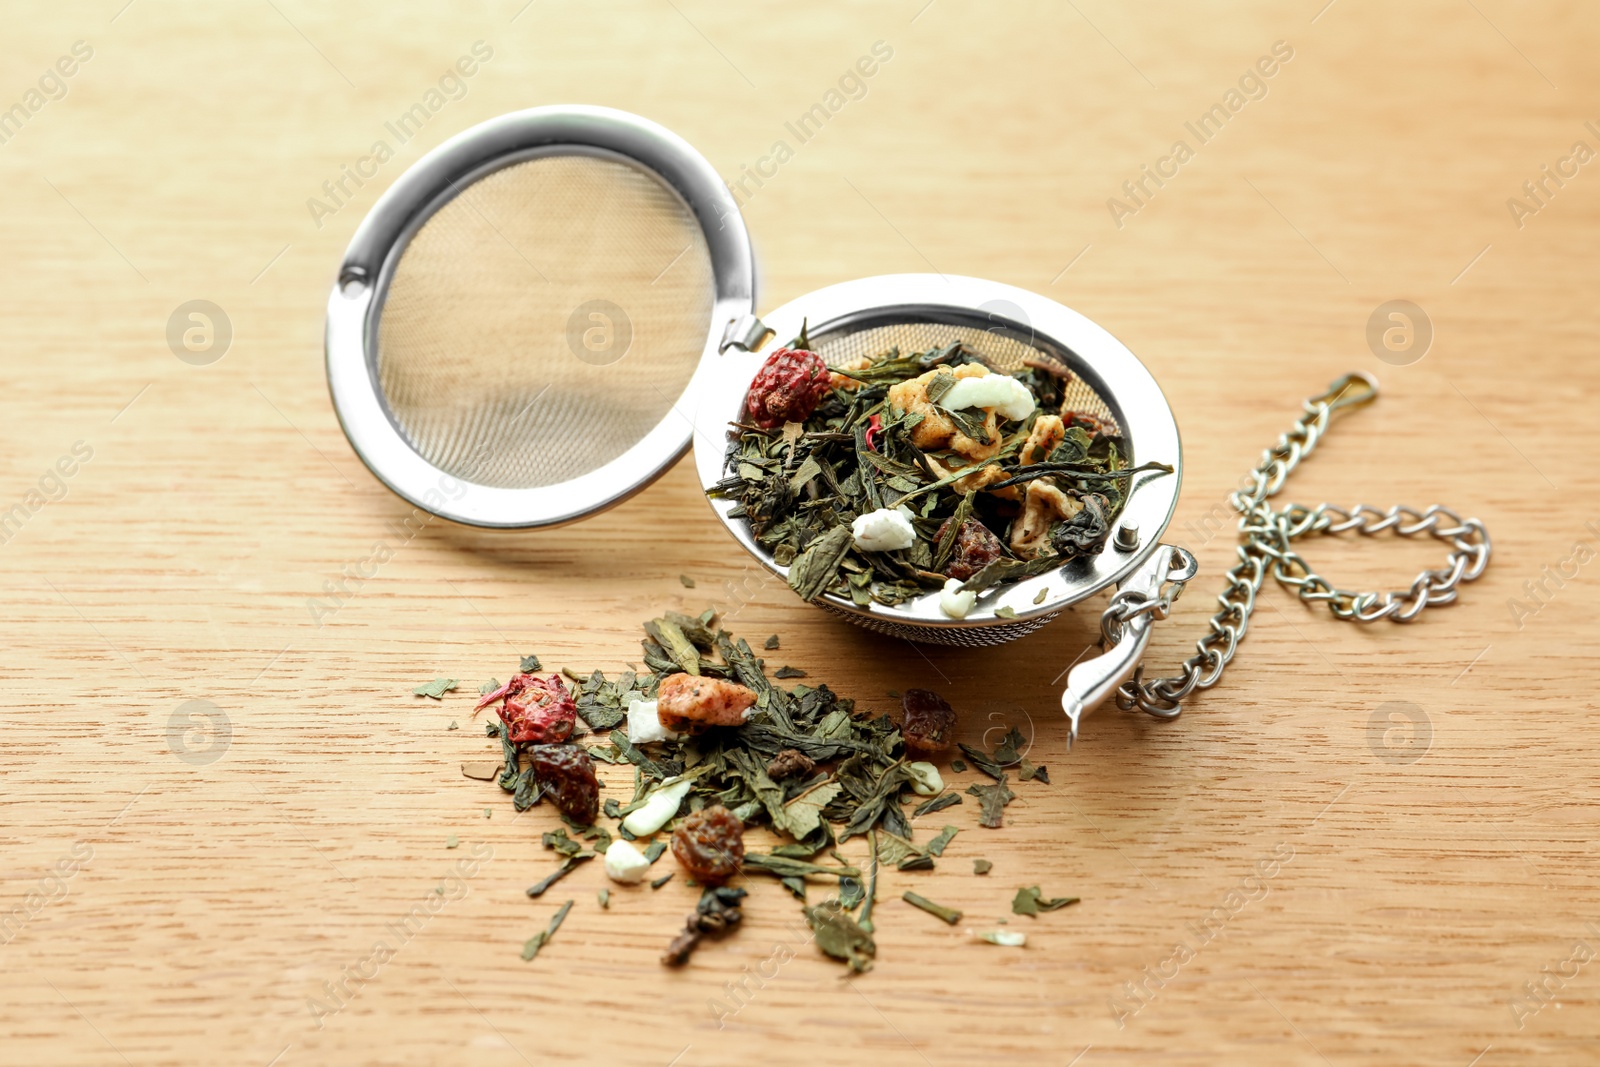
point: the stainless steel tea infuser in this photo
(539, 317)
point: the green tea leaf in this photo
(531, 947)
(436, 688)
(840, 936)
(981, 866)
(816, 568)
(1029, 901)
(529, 665)
(992, 800)
(938, 911)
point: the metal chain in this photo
(1265, 548)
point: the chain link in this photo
(1265, 547)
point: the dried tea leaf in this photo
(654, 850)
(938, 911)
(1009, 750)
(992, 800)
(530, 664)
(663, 880)
(670, 636)
(787, 671)
(787, 867)
(937, 846)
(436, 688)
(958, 766)
(539, 887)
(604, 897)
(531, 947)
(772, 643)
(816, 568)
(452, 841)
(840, 936)
(1029, 901)
(1039, 599)
(688, 582)
(1006, 612)
(488, 687)
(981, 866)
(982, 761)
(558, 840)
(938, 803)
(483, 771)
(453, 725)
(803, 814)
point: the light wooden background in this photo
(1428, 883)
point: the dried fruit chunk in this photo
(688, 704)
(536, 709)
(709, 844)
(790, 762)
(975, 547)
(788, 388)
(928, 725)
(566, 774)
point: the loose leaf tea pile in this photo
(894, 474)
(825, 776)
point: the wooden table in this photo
(1291, 873)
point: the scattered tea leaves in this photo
(938, 911)
(992, 800)
(1029, 901)
(558, 840)
(531, 947)
(938, 803)
(840, 936)
(786, 867)
(436, 688)
(539, 887)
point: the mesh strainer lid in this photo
(517, 323)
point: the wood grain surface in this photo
(1293, 872)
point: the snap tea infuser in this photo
(535, 321)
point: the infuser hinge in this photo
(746, 332)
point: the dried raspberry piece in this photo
(536, 709)
(975, 547)
(709, 844)
(788, 388)
(929, 724)
(566, 773)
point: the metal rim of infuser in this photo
(934, 302)
(465, 477)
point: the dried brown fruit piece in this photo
(709, 844)
(717, 913)
(689, 703)
(928, 724)
(566, 773)
(975, 547)
(788, 763)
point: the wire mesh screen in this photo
(544, 320)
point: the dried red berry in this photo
(975, 547)
(788, 388)
(566, 774)
(929, 723)
(536, 709)
(709, 844)
(874, 428)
